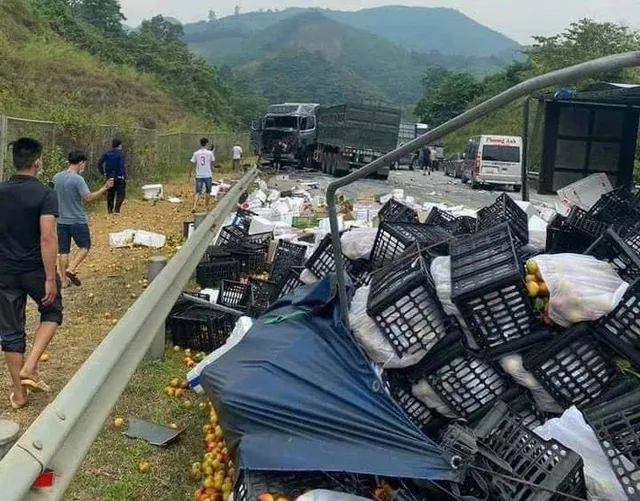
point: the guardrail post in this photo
(154, 266)
(4, 134)
(8, 435)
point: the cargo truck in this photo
(353, 135)
(408, 132)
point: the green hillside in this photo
(309, 52)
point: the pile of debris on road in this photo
(512, 351)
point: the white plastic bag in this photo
(357, 243)
(121, 239)
(372, 340)
(326, 495)
(149, 239)
(581, 288)
(573, 432)
(512, 365)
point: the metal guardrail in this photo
(61, 436)
(554, 78)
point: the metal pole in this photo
(4, 135)
(8, 436)
(155, 265)
(523, 89)
(525, 149)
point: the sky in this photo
(529, 17)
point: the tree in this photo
(582, 41)
(212, 16)
(105, 15)
(162, 29)
(447, 95)
(236, 10)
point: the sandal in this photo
(36, 386)
(73, 278)
(16, 406)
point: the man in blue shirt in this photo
(112, 166)
(73, 193)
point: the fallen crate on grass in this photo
(616, 423)
(505, 210)
(404, 304)
(262, 293)
(572, 367)
(393, 238)
(487, 286)
(234, 295)
(200, 328)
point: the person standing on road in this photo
(112, 166)
(278, 150)
(73, 193)
(236, 156)
(201, 162)
(426, 160)
(28, 250)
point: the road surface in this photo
(436, 188)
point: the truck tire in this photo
(382, 177)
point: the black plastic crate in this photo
(287, 255)
(615, 208)
(612, 249)
(546, 463)
(404, 304)
(505, 210)
(359, 270)
(216, 252)
(243, 218)
(323, 262)
(620, 329)
(617, 426)
(262, 294)
(210, 273)
(234, 236)
(399, 387)
(632, 238)
(465, 225)
(563, 238)
(251, 260)
(292, 281)
(573, 367)
(200, 328)
(394, 211)
(393, 238)
(580, 220)
(438, 217)
(184, 301)
(234, 295)
(488, 288)
(465, 382)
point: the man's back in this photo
(112, 163)
(203, 158)
(236, 152)
(23, 199)
(70, 187)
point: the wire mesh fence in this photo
(150, 156)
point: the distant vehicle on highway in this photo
(493, 160)
(453, 166)
(407, 132)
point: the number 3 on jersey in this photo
(203, 160)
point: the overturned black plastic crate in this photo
(632, 238)
(292, 282)
(209, 273)
(439, 217)
(613, 249)
(185, 300)
(573, 367)
(242, 218)
(487, 286)
(234, 295)
(393, 238)
(563, 238)
(287, 255)
(399, 387)
(616, 423)
(289, 485)
(620, 329)
(395, 211)
(323, 262)
(468, 384)
(200, 328)
(262, 293)
(537, 462)
(235, 236)
(404, 304)
(615, 208)
(464, 225)
(252, 258)
(505, 210)
(581, 221)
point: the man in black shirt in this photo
(28, 251)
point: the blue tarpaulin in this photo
(297, 394)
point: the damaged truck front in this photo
(353, 135)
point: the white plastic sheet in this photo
(358, 242)
(581, 288)
(326, 495)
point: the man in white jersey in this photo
(201, 162)
(236, 155)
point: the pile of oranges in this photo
(538, 291)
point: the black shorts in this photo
(80, 234)
(204, 185)
(14, 290)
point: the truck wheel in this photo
(382, 177)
